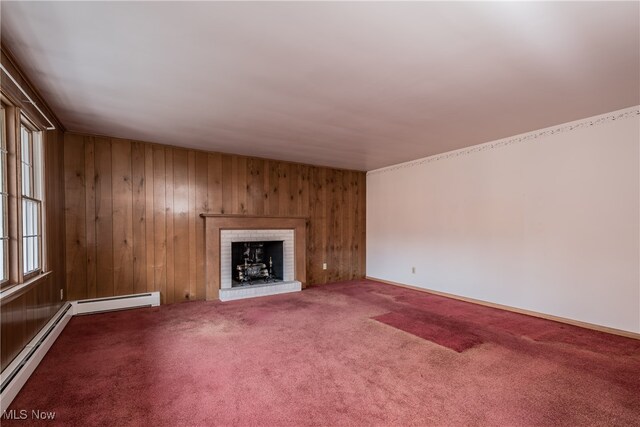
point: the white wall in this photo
(546, 221)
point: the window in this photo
(4, 199)
(31, 167)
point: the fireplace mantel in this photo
(214, 223)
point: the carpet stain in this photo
(217, 328)
(446, 334)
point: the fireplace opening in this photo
(255, 263)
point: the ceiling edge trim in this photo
(521, 138)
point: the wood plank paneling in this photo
(192, 216)
(272, 181)
(285, 205)
(226, 184)
(149, 216)
(90, 217)
(151, 196)
(202, 205)
(169, 221)
(23, 316)
(159, 222)
(122, 204)
(255, 169)
(54, 206)
(75, 225)
(214, 187)
(181, 224)
(139, 217)
(243, 186)
(104, 218)
(360, 212)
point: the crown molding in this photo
(625, 113)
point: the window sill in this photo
(16, 290)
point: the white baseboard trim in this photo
(578, 323)
(15, 376)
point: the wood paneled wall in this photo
(25, 313)
(54, 216)
(132, 214)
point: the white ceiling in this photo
(352, 85)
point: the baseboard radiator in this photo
(14, 376)
(18, 372)
(126, 302)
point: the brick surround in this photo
(217, 225)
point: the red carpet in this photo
(318, 357)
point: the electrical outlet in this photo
(61, 294)
(324, 265)
(413, 270)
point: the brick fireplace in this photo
(221, 231)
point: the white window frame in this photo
(4, 201)
(31, 172)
